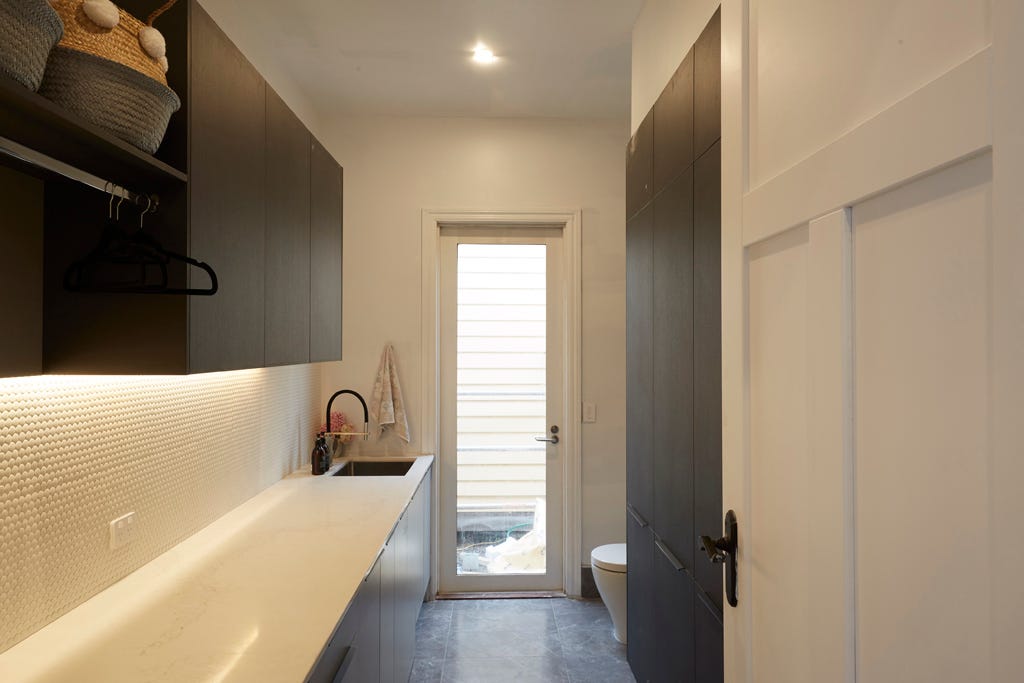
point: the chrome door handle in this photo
(552, 439)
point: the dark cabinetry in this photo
(325, 198)
(242, 186)
(639, 367)
(21, 272)
(673, 348)
(378, 632)
(227, 209)
(288, 244)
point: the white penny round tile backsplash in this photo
(179, 452)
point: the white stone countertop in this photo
(235, 601)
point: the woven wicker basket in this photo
(105, 76)
(28, 31)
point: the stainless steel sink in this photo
(375, 468)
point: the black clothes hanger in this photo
(131, 263)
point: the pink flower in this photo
(339, 423)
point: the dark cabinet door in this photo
(708, 655)
(673, 621)
(673, 367)
(21, 271)
(389, 586)
(640, 599)
(639, 382)
(707, 119)
(707, 355)
(639, 167)
(365, 647)
(673, 126)
(287, 243)
(227, 181)
(325, 201)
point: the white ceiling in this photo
(558, 58)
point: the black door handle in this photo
(723, 551)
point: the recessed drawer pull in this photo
(636, 517)
(346, 662)
(673, 560)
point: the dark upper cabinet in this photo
(707, 362)
(673, 360)
(258, 201)
(287, 303)
(325, 199)
(639, 368)
(21, 274)
(707, 116)
(227, 211)
(640, 600)
(639, 167)
(673, 126)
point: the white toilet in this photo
(609, 565)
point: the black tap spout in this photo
(366, 411)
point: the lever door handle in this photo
(717, 551)
(550, 439)
(723, 551)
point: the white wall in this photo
(662, 35)
(395, 168)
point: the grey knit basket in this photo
(118, 99)
(28, 31)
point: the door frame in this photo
(569, 221)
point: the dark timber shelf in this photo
(33, 121)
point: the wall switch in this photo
(122, 531)
(589, 412)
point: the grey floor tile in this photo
(506, 606)
(599, 640)
(505, 619)
(581, 614)
(599, 671)
(502, 643)
(427, 670)
(546, 669)
(431, 641)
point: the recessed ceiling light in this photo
(483, 54)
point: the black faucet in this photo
(366, 412)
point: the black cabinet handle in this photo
(636, 517)
(673, 560)
(723, 551)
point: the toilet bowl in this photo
(609, 565)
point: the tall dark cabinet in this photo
(673, 346)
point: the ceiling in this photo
(557, 58)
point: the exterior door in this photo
(502, 413)
(872, 327)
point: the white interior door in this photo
(502, 413)
(871, 228)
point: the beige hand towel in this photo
(388, 406)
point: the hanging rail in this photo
(30, 156)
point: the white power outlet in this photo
(589, 412)
(122, 531)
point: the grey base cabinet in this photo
(376, 639)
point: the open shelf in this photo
(33, 121)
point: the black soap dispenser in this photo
(320, 459)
